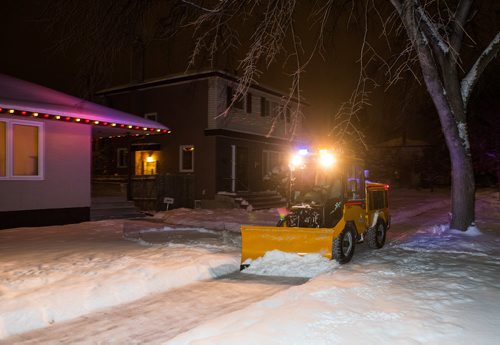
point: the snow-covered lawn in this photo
(428, 285)
(52, 274)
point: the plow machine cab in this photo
(320, 185)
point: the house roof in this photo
(20, 97)
(178, 78)
(402, 142)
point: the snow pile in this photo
(439, 238)
(277, 263)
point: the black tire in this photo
(376, 235)
(343, 246)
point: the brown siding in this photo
(183, 108)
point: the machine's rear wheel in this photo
(376, 235)
(343, 245)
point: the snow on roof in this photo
(26, 96)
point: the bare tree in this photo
(437, 39)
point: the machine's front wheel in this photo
(343, 245)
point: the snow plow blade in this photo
(257, 240)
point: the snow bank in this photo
(439, 238)
(38, 294)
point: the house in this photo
(408, 159)
(214, 151)
(45, 152)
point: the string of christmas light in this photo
(23, 113)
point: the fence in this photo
(149, 192)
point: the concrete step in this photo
(113, 208)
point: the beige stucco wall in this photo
(66, 182)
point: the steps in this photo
(257, 200)
(113, 207)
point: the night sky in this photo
(29, 53)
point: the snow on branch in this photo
(431, 30)
(470, 80)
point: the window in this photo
(122, 157)
(264, 107)
(3, 149)
(21, 150)
(186, 158)
(377, 199)
(271, 160)
(249, 103)
(238, 104)
(146, 162)
(151, 116)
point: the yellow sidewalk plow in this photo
(257, 240)
(331, 207)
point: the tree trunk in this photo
(462, 190)
(436, 70)
(462, 173)
(457, 141)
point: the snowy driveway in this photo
(429, 285)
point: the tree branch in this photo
(471, 78)
(216, 10)
(397, 5)
(431, 31)
(457, 26)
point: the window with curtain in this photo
(20, 150)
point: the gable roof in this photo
(20, 97)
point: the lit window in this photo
(186, 158)
(3, 149)
(25, 150)
(122, 157)
(146, 162)
(20, 150)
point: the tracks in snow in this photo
(162, 316)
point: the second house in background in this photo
(219, 153)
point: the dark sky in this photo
(29, 54)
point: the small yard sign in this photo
(169, 201)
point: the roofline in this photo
(252, 136)
(168, 80)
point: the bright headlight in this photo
(296, 161)
(326, 159)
